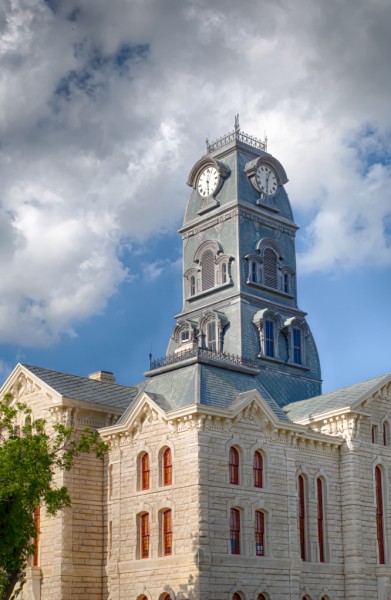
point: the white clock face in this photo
(266, 180)
(208, 181)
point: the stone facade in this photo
(177, 510)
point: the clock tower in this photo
(239, 272)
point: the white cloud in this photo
(104, 107)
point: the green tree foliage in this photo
(30, 456)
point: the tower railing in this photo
(238, 135)
(201, 353)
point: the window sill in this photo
(210, 290)
(261, 286)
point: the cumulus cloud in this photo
(104, 107)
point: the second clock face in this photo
(266, 180)
(208, 181)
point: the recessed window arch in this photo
(235, 529)
(258, 468)
(321, 517)
(237, 596)
(166, 531)
(143, 471)
(143, 527)
(380, 525)
(296, 331)
(259, 531)
(270, 258)
(386, 433)
(167, 467)
(234, 465)
(302, 515)
(261, 597)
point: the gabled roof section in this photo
(350, 396)
(83, 388)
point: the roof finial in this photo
(237, 126)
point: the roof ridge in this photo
(97, 381)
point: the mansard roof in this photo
(83, 388)
(202, 384)
(346, 397)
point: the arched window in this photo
(261, 597)
(258, 469)
(233, 466)
(254, 275)
(211, 335)
(208, 270)
(224, 273)
(297, 345)
(374, 434)
(37, 524)
(167, 532)
(379, 515)
(302, 517)
(145, 472)
(235, 531)
(165, 597)
(386, 433)
(192, 285)
(285, 282)
(269, 337)
(320, 506)
(259, 533)
(167, 467)
(270, 267)
(144, 527)
(236, 596)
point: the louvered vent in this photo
(208, 270)
(270, 267)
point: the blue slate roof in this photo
(202, 384)
(305, 409)
(83, 388)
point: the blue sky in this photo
(104, 109)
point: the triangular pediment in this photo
(144, 408)
(21, 383)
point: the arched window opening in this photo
(166, 597)
(297, 345)
(167, 532)
(320, 505)
(386, 433)
(270, 267)
(374, 434)
(145, 472)
(142, 598)
(286, 286)
(233, 466)
(145, 535)
(37, 525)
(253, 272)
(258, 469)
(235, 531)
(379, 515)
(224, 273)
(211, 336)
(208, 270)
(236, 596)
(192, 285)
(269, 338)
(167, 467)
(261, 597)
(302, 516)
(259, 533)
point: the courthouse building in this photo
(229, 475)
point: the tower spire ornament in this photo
(236, 124)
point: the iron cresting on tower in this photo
(228, 475)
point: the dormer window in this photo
(211, 337)
(268, 324)
(296, 331)
(212, 272)
(285, 283)
(185, 335)
(269, 338)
